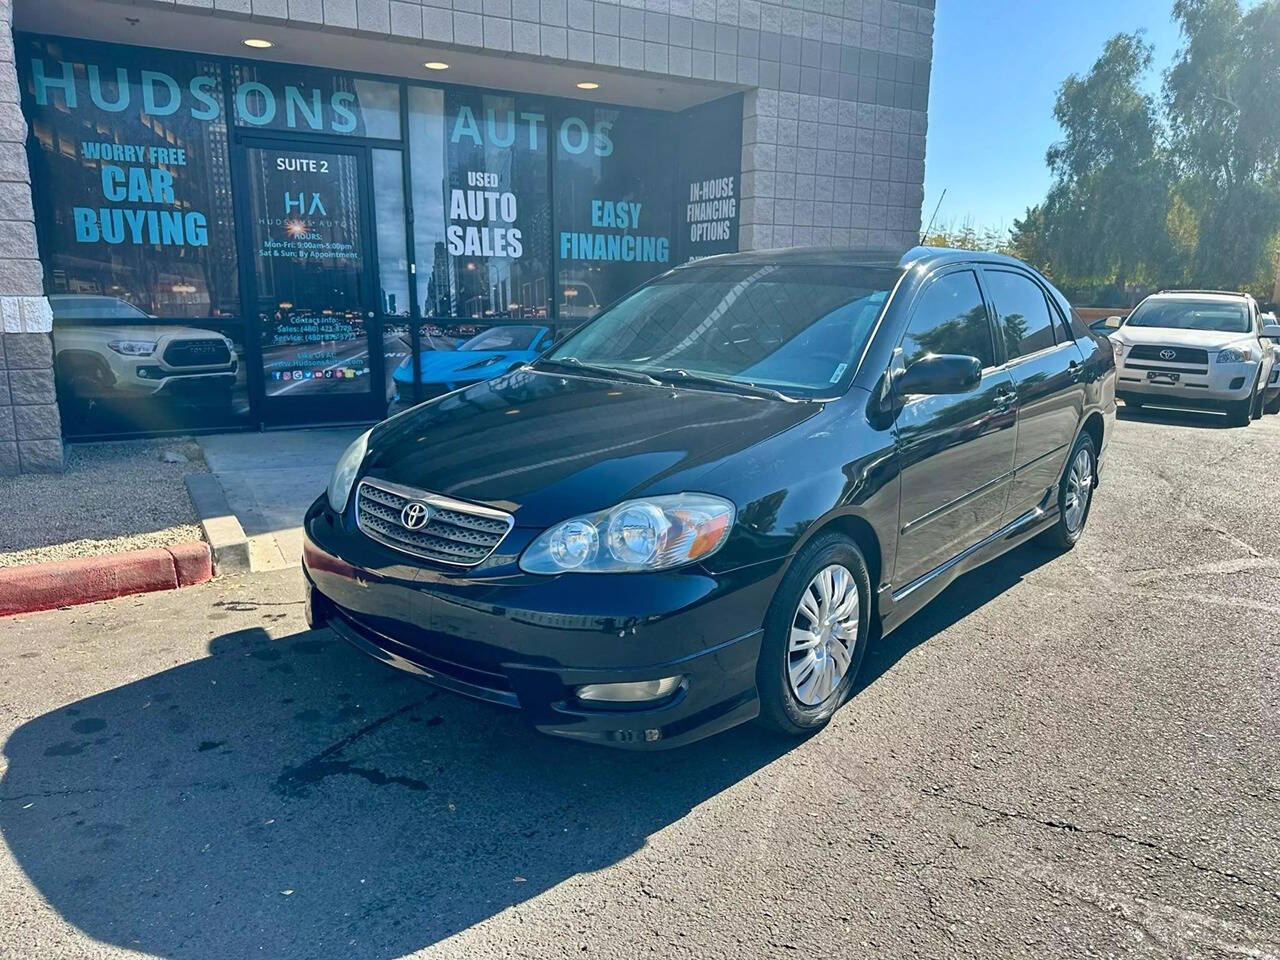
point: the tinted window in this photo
(950, 317)
(798, 328)
(1022, 312)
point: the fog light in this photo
(1236, 383)
(636, 692)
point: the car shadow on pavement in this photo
(288, 797)
(962, 597)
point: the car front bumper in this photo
(529, 642)
(1222, 383)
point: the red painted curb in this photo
(44, 586)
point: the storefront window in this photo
(133, 194)
(305, 100)
(495, 255)
(613, 183)
(427, 179)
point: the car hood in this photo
(1205, 339)
(124, 332)
(442, 364)
(545, 447)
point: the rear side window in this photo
(950, 317)
(1022, 313)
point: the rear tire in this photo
(1273, 407)
(811, 623)
(1075, 496)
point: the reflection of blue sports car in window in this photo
(483, 357)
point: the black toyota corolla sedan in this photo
(698, 508)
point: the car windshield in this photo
(1184, 313)
(502, 338)
(796, 328)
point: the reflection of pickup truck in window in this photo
(136, 356)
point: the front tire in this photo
(1075, 496)
(815, 636)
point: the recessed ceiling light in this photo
(258, 43)
(588, 85)
(436, 65)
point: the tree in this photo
(1221, 97)
(1104, 218)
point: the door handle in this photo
(1005, 399)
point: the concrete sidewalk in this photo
(270, 479)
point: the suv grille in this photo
(1152, 351)
(462, 534)
(197, 353)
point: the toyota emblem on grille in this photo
(415, 515)
(1168, 354)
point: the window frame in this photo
(951, 269)
(1054, 316)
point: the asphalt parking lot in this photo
(1062, 756)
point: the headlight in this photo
(133, 348)
(1234, 355)
(344, 474)
(1117, 348)
(651, 534)
(231, 347)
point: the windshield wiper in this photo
(633, 376)
(741, 386)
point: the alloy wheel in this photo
(1079, 489)
(824, 633)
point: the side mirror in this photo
(1113, 323)
(940, 373)
(1271, 331)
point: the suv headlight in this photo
(1117, 348)
(133, 348)
(655, 533)
(344, 474)
(1234, 355)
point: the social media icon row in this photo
(331, 373)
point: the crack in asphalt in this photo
(294, 780)
(1067, 826)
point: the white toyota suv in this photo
(1197, 348)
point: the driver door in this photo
(956, 451)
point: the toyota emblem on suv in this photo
(1168, 354)
(415, 515)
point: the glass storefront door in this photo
(311, 280)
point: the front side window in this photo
(950, 318)
(1187, 313)
(796, 328)
(1022, 313)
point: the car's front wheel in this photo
(1075, 496)
(815, 636)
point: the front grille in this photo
(457, 533)
(197, 353)
(1184, 355)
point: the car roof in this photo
(891, 258)
(1226, 295)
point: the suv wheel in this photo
(815, 636)
(1075, 496)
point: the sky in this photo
(997, 66)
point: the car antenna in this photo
(935, 214)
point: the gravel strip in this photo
(113, 496)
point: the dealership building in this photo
(243, 214)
